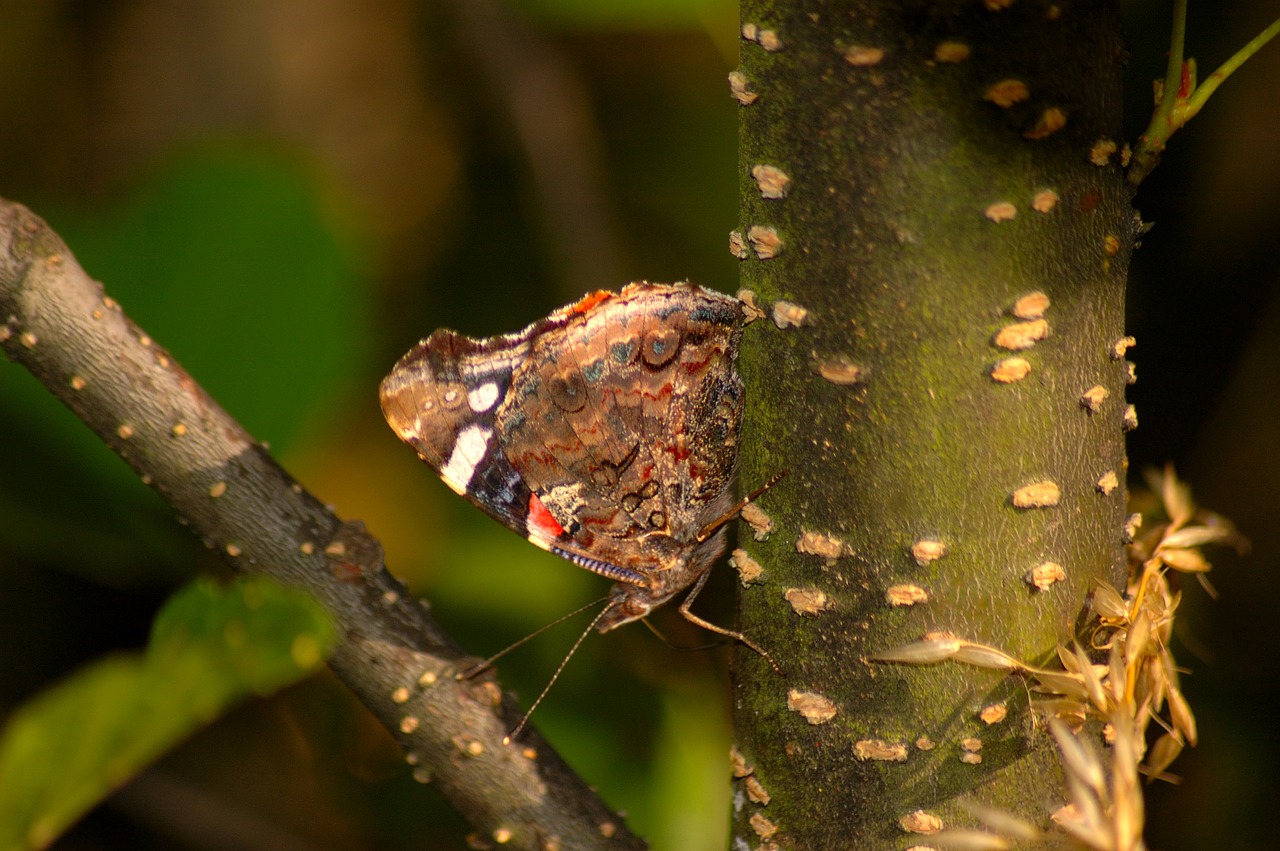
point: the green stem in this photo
(1173, 74)
(1201, 94)
(1177, 107)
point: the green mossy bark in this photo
(887, 244)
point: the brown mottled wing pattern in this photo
(615, 419)
(626, 424)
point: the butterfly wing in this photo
(612, 421)
(441, 398)
(626, 422)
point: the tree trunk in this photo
(936, 225)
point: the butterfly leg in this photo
(710, 627)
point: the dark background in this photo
(288, 194)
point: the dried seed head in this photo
(1009, 370)
(811, 706)
(1021, 335)
(935, 647)
(771, 180)
(982, 656)
(1042, 494)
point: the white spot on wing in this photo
(482, 398)
(468, 452)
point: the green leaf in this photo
(69, 747)
(232, 256)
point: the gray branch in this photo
(58, 323)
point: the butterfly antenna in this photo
(710, 528)
(506, 740)
(481, 667)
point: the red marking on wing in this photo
(540, 520)
(663, 392)
(698, 366)
(678, 452)
(589, 302)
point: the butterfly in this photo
(606, 433)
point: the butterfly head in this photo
(681, 567)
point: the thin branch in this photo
(57, 322)
(1226, 69)
(1181, 98)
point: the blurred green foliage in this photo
(62, 751)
